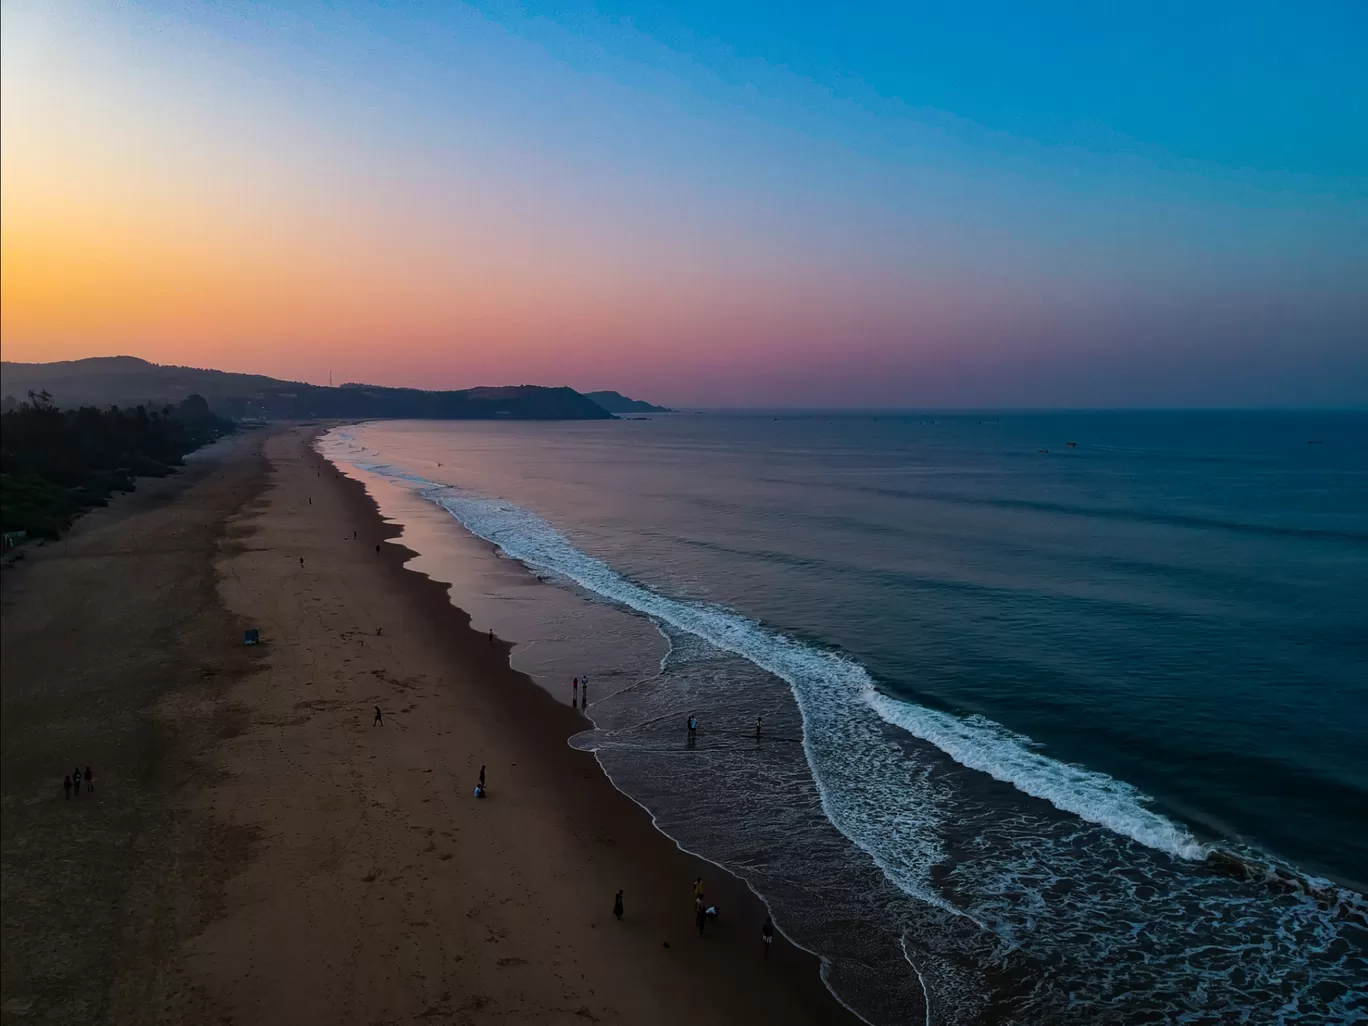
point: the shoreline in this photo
(510, 496)
(562, 722)
(688, 809)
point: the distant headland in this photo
(130, 381)
(616, 402)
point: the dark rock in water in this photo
(1343, 903)
(1228, 864)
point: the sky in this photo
(698, 202)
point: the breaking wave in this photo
(833, 691)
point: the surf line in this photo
(974, 742)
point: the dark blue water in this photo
(1016, 691)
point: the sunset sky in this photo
(701, 203)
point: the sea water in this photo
(1051, 732)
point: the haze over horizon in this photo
(696, 204)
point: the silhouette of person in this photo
(482, 783)
(617, 906)
(767, 934)
(76, 781)
(378, 718)
(90, 780)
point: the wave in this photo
(829, 687)
(981, 744)
(1167, 519)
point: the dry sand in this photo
(257, 851)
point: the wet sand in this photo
(260, 852)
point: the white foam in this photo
(870, 789)
(981, 744)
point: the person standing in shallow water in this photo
(757, 728)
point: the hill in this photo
(129, 381)
(616, 402)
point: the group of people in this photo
(579, 692)
(706, 912)
(71, 784)
(703, 911)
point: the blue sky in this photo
(1079, 204)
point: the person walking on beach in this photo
(693, 728)
(584, 692)
(767, 934)
(301, 560)
(574, 692)
(482, 769)
(491, 635)
(66, 786)
(698, 889)
(757, 728)
(90, 780)
(617, 906)
(378, 718)
(700, 917)
(76, 781)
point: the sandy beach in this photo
(259, 850)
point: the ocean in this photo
(1063, 717)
